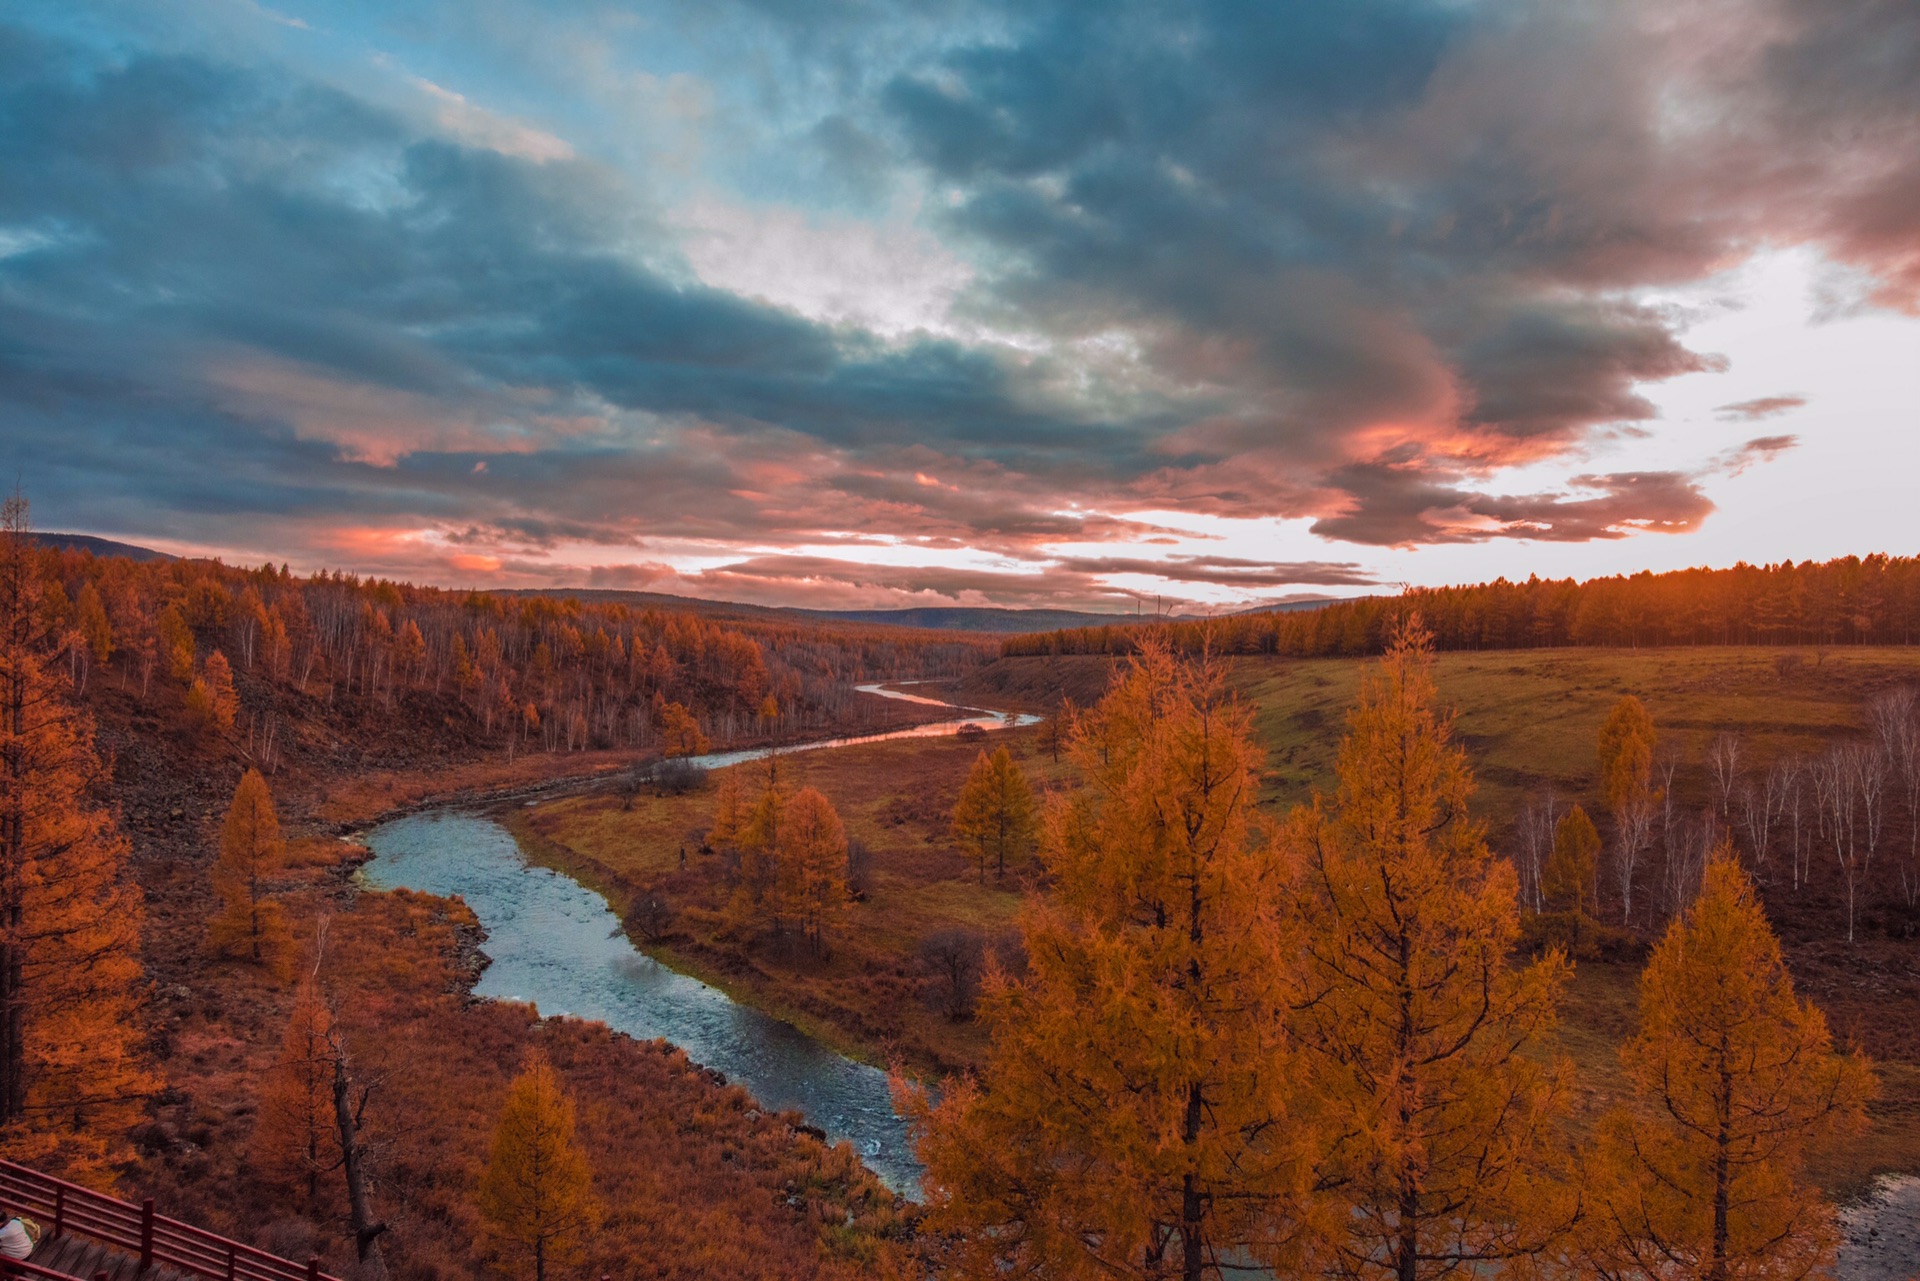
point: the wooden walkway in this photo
(88, 1260)
(90, 1235)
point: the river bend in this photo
(557, 945)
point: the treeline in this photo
(527, 673)
(1873, 600)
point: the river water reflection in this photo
(556, 944)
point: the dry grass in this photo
(868, 995)
(1528, 720)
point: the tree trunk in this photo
(366, 1232)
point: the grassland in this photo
(1527, 718)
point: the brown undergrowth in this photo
(697, 1180)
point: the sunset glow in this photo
(886, 306)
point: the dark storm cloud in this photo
(1402, 234)
(1837, 81)
(275, 280)
(1334, 261)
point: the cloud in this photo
(1761, 449)
(1752, 411)
(1345, 265)
(1082, 582)
(1392, 507)
(476, 126)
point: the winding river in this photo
(558, 946)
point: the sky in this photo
(962, 302)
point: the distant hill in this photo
(1289, 606)
(940, 619)
(956, 618)
(978, 618)
(98, 546)
(929, 618)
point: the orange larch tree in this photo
(537, 1191)
(294, 1138)
(1131, 1120)
(1413, 1031)
(72, 1070)
(1734, 1076)
(994, 817)
(811, 852)
(756, 887)
(1567, 882)
(253, 924)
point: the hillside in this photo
(327, 694)
(95, 546)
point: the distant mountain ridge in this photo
(936, 618)
(98, 546)
(939, 618)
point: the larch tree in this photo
(756, 888)
(811, 851)
(1416, 1036)
(1626, 744)
(729, 811)
(72, 1069)
(995, 815)
(253, 924)
(1567, 882)
(90, 616)
(226, 701)
(680, 733)
(295, 1138)
(1734, 1076)
(176, 643)
(1131, 1119)
(537, 1191)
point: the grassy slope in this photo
(1528, 720)
(866, 996)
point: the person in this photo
(18, 1236)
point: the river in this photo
(557, 945)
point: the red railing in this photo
(63, 1207)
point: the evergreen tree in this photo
(1413, 1030)
(537, 1191)
(72, 1070)
(1734, 1077)
(1131, 1119)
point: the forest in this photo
(513, 672)
(1234, 961)
(1872, 600)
